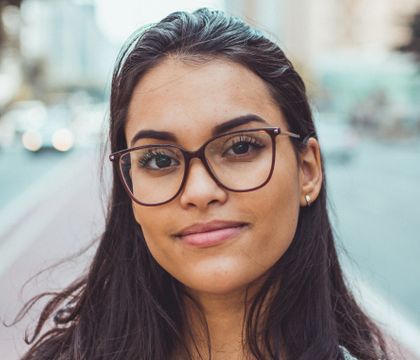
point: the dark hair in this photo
(128, 307)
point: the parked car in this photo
(54, 131)
(48, 136)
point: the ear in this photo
(310, 172)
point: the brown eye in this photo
(243, 146)
(157, 160)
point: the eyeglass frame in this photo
(200, 154)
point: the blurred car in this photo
(338, 140)
(49, 135)
(53, 132)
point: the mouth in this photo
(212, 237)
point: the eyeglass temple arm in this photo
(297, 136)
(307, 137)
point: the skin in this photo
(189, 100)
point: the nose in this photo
(200, 190)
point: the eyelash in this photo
(248, 140)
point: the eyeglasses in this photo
(238, 161)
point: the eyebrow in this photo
(217, 130)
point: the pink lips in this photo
(210, 234)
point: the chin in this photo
(220, 282)
(217, 289)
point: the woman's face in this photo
(189, 101)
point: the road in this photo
(377, 216)
(66, 217)
(19, 169)
(374, 206)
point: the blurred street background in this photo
(361, 62)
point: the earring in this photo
(308, 200)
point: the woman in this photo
(217, 242)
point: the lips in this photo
(211, 234)
(208, 227)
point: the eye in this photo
(243, 145)
(157, 159)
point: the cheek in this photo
(278, 211)
(151, 222)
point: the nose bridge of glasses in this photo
(200, 155)
(190, 155)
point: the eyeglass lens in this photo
(239, 161)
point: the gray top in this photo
(347, 355)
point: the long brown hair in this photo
(128, 307)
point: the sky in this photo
(119, 18)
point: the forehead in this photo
(190, 99)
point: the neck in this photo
(215, 323)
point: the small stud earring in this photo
(308, 200)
